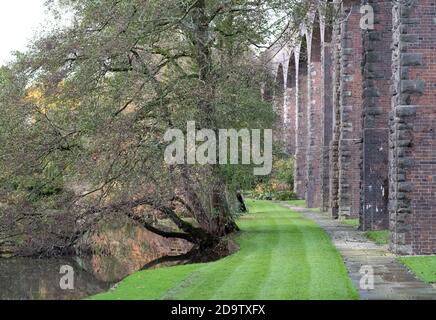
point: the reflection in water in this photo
(39, 279)
(119, 250)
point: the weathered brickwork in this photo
(350, 111)
(279, 104)
(302, 122)
(413, 129)
(359, 117)
(313, 193)
(376, 71)
(334, 145)
(291, 104)
(327, 116)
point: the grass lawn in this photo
(351, 222)
(379, 237)
(423, 267)
(302, 204)
(298, 203)
(282, 256)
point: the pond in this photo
(119, 249)
(41, 279)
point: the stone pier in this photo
(356, 101)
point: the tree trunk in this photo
(221, 221)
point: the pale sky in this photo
(19, 20)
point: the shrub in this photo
(279, 185)
(283, 171)
(267, 191)
(285, 196)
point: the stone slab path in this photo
(392, 280)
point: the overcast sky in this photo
(19, 20)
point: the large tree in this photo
(100, 93)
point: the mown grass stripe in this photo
(282, 256)
(287, 259)
(244, 283)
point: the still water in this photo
(40, 279)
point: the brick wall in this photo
(336, 103)
(302, 121)
(376, 106)
(279, 105)
(327, 121)
(364, 120)
(313, 196)
(291, 96)
(413, 129)
(350, 109)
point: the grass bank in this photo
(351, 222)
(379, 237)
(282, 256)
(424, 267)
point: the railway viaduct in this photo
(357, 106)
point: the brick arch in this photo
(301, 119)
(303, 55)
(315, 38)
(292, 72)
(327, 23)
(279, 83)
(279, 103)
(329, 20)
(363, 128)
(268, 93)
(328, 33)
(313, 196)
(291, 104)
